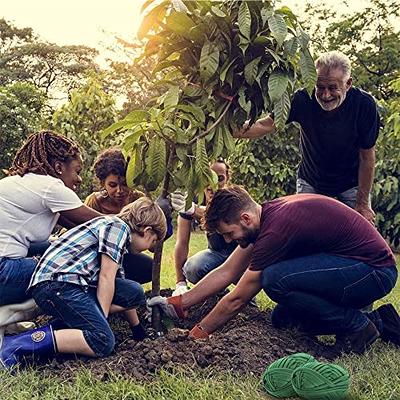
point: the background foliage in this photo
(199, 61)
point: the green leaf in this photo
(261, 39)
(307, 69)
(245, 104)
(181, 152)
(275, 56)
(135, 166)
(244, 20)
(131, 138)
(180, 23)
(303, 38)
(209, 60)
(179, 6)
(277, 84)
(218, 144)
(172, 97)
(243, 43)
(218, 12)
(281, 111)
(201, 164)
(250, 70)
(266, 13)
(119, 125)
(151, 19)
(226, 67)
(277, 25)
(137, 116)
(291, 46)
(156, 161)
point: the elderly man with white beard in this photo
(339, 127)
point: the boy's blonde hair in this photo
(144, 213)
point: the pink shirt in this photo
(304, 224)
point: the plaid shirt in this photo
(75, 256)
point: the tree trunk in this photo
(155, 279)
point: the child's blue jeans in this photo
(77, 307)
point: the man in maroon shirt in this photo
(318, 259)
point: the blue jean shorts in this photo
(77, 307)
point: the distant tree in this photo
(53, 68)
(21, 106)
(134, 83)
(386, 194)
(89, 110)
(370, 37)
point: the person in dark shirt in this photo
(339, 127)
(318, 259)
(194, 268)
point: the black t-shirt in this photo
(330, 140)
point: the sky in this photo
(95, 22)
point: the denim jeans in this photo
(77, 307)
(347, 197)
(38, 248)
(322, 293)
(15, 275)
(200, 264)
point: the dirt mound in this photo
(246, 344)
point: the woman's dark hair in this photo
(110, 161)
(40, 151)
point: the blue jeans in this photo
(15, 275)
(347, 197)
(200, 264)
(77, 307)
(322, 293)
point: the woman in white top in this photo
(38, 193)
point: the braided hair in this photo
(40, 151)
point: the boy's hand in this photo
(171, 306)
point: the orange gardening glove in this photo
(198, 333)
(171, 306)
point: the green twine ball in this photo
(319, 381)
(277, 378)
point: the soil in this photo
(245, 345)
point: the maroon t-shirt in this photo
(303, 224)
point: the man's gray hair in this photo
(334, 60)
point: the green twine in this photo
(277, 378)
(318, 381)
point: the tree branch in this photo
(206, 132)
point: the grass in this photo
(375, 375)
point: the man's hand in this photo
(198, 332)
(366, 211)
(178, 203)
(171, 306)
(180, 288)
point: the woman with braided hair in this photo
(38, 193)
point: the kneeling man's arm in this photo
(220, 278)
(233, 302)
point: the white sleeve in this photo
(57, 197)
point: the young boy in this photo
(80, 281)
